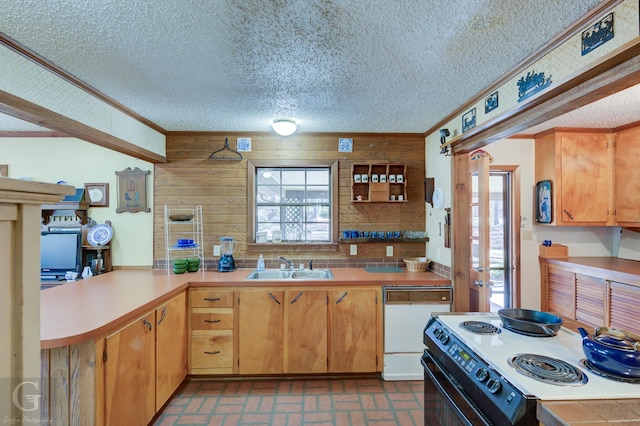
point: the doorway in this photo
(504, 237)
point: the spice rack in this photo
(379, 183)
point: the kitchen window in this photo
(293, 204)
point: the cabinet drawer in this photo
(209, 298)
(416, 296)
(212, 350)
(212, 319)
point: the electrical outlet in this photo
(216, 250)
(353, 249)
(527, 234)
(389, 250)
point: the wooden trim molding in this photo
(28, 111)
(69, 78)
(552, 44)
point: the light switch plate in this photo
(389, 250)
(216, 250)
(527, 234)
(353, 249)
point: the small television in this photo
(60, 251)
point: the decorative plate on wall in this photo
(99, 235)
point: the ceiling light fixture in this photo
(284, 126)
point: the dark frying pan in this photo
(530, 321)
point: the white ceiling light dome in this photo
(284, 126)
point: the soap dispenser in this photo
(261, 263)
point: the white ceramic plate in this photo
(100, 235)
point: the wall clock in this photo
(438, 199)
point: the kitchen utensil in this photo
(226, 262)
(181, 217)
(531, 322)
(612, 350)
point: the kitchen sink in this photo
(280, 275)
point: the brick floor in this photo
(289, 402)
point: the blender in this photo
(226, 262)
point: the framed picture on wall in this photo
(4, 170)
(132, 190)
(97, 194)
(543, 202)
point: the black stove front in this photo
(460, 388)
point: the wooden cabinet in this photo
(305, 337)
(354, 344)
(590, 299)
(260, 331)
(559, 288)
(144, 363)
(304, 330)
(580, 168)
(212, 331)
(627, 178)
(171, 359)
(624, 306)
(379, 182)
(591, 295)
(129, 373)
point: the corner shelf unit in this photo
(183, 229)
(390, 191)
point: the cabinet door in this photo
(260, 331)
(129, 374)
(353, 330)
(586, 179)
(305, 331)
(560, 291)
(590, 299)
(627, 178)
(171, 344)
(624, 307)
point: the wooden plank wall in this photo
(189, 178)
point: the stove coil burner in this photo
(479, 327)
(595, 370)
(548, 370)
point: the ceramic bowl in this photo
(180, 263)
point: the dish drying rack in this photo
(226, 153)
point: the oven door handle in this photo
(445, 394)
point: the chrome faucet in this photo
(287, 261)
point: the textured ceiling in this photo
(332, 65)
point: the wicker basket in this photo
(417, 264)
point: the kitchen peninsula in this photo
(85, 327)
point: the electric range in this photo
(488, 374)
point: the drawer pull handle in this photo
(568, 214)
(212, 353)
(342, 297)
(212, 321)
(211, 299)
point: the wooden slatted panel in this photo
(624, 307)
(561, 292)
(590, 300)
(189, 178)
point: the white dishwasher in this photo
(406, 312)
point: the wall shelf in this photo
(343, 240)
(379, 183)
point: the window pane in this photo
(268, 194)
(318, 177)
(268, 214)
(293, 177)
(295, 201)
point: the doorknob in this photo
(479, 283)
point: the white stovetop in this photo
(566, 345)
